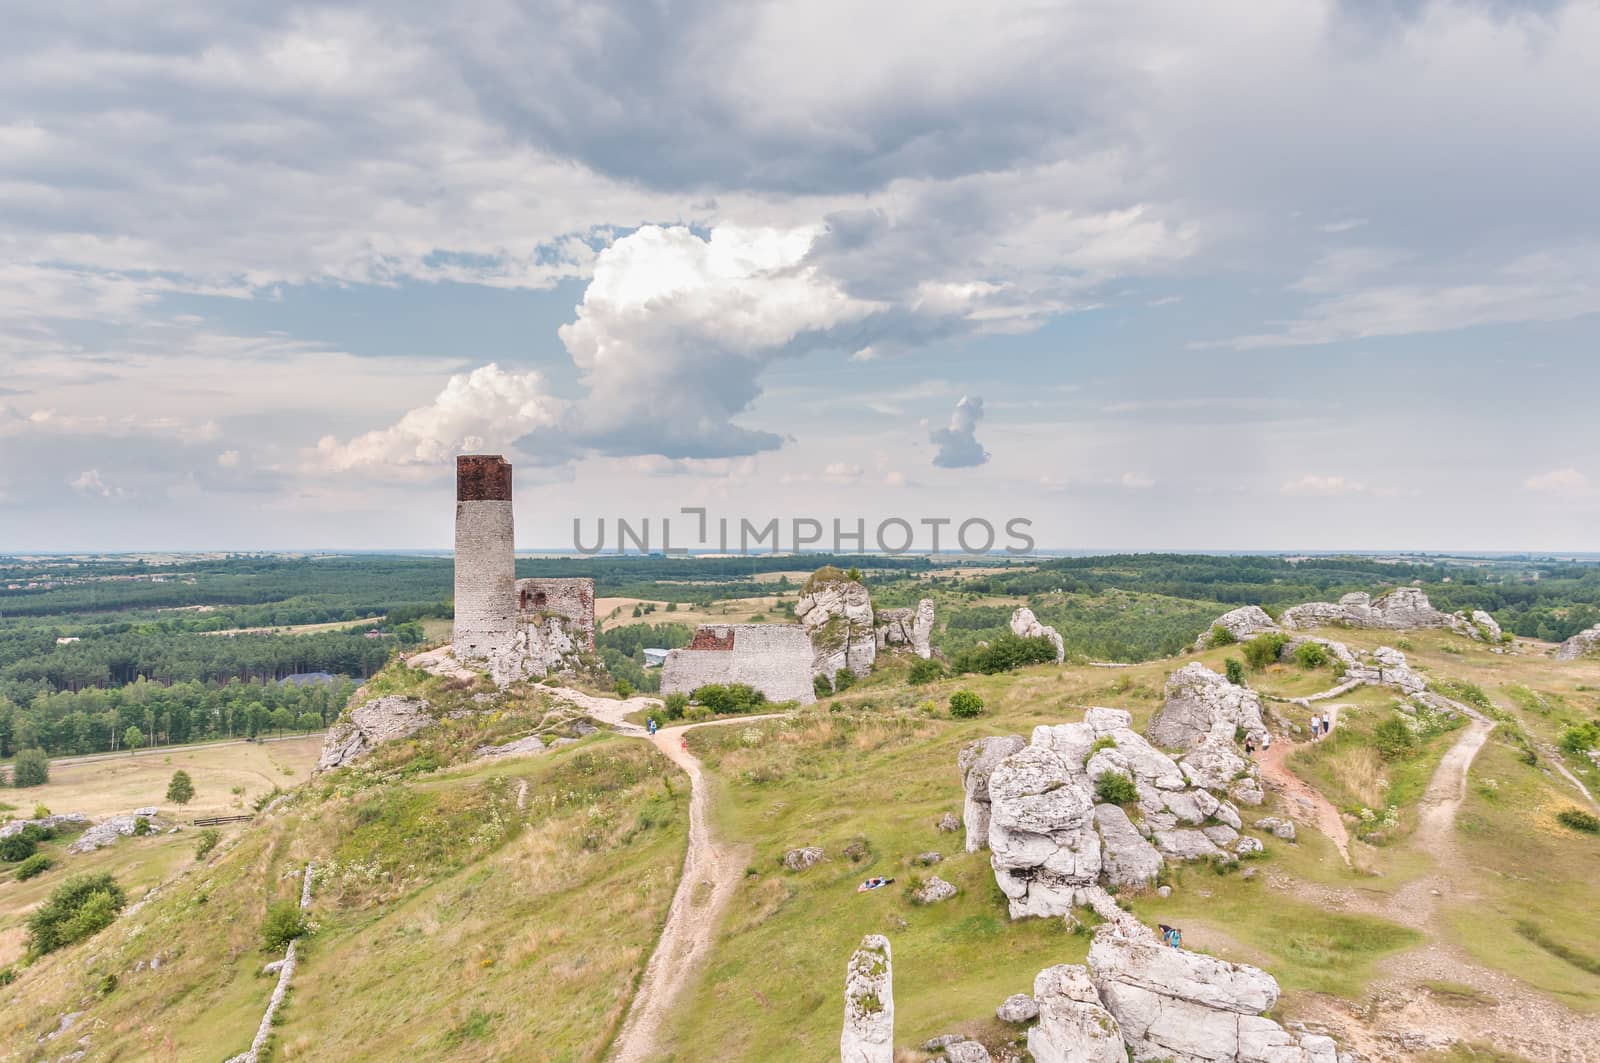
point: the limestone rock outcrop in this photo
(868, 1035)
(935, 890)
(907, 628)
(107, 831)
(1043, 842)
(1025, 625)
(1580, 645)
(1388, 667)
(837, 614)
(65, 821)
(1402, 609)
(1053, 842)
(976, 761)
(1127, 859)
(802, 859)
(1199, 701)
(1186, 1007)
(1243, 624)
(1073, 1025)
(367, 726)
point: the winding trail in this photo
(711, 872)
(1306, 799)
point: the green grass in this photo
(1528, 872)
(1306, 947)
(447, 923)
(772, 988)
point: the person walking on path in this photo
(1316, 726)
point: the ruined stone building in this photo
(513, 628)
(772, 658)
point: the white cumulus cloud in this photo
(486, 409)
(1311, 484)
(958, 444)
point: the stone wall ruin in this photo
(772, 658)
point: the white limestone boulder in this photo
(1243, 623)
(1127, 859)
(868, 1034)
(1580, 645)
(906, 628)
(1025, 625)
(1073, 1025)
(976, 762)
(1197, 701)
(366, 727)
(1044, 846)
(837, 615)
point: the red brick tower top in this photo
(483, 478)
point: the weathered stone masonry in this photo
(772, 658)
(512, 629)
(486, 614)
(569, 598)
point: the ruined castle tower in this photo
(486, 598)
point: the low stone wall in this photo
(772, 658)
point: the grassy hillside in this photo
(474, 911)
(449, 921)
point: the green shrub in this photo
(1103, 742)
(730, 699)
(79, 908)
(1311, 655)
(925, 670)
(1264, 649)
(7, 976)
(1582, 738)
(843, 680)
(1235, 670)
(1220, 636)
(623, 688)
(1004, 652)
(964, 705)
(822, 686)
(141, 827)
(1576, 818)
(283, 923)
(208, 841)
(674, 706)
(18, 847)
(30, 768)
(1395, 740)
(1115, 788)
(34, 866)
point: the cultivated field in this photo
(227, 776)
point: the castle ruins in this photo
(772, 658)
(514, 628)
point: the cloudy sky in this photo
(1299, 275)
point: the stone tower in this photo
(486, 599)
